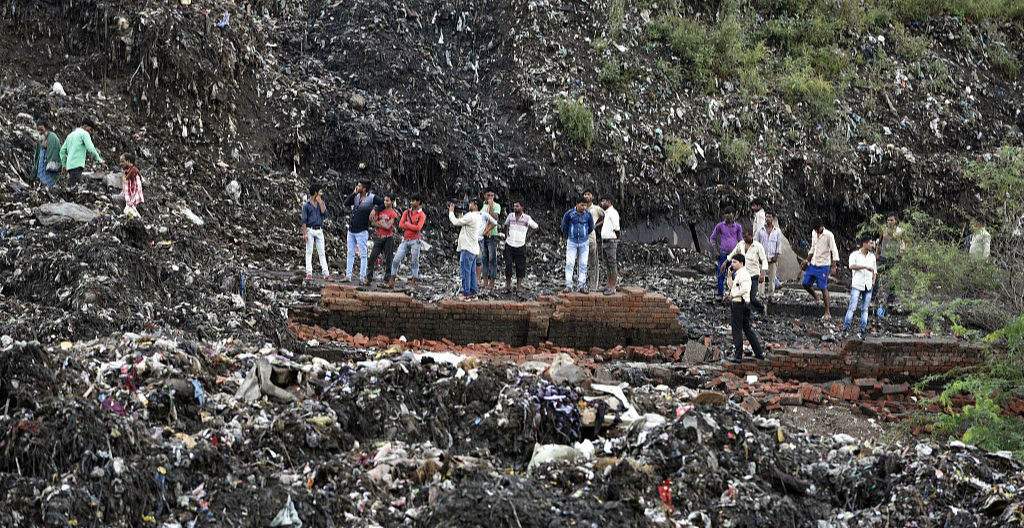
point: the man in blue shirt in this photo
(313, 213)
(577, 224)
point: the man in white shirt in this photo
(981, 240)
(519, 224)
(593, 247)
(865, 271)
(610, 244)
(770, 238)
(472, 223)
(739, 302)
(756, 264)
(758, 218)
(822, 260)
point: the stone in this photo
(53, 213)
(357, 101)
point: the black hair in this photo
(607, 198)
(415, 198)
(474, 201)
(757, 201)
(365, 184)
(818, 223)
(865, 238)
(740, 258)
(130, 158)
(315, 188)
(43, 122)
(520, 202)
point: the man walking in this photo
(610, 244)
(411, 224)
(47, 162)
(577, 224)
(726, 235)
(468, 245)
(519, 224)
(384, 222)
(756, 263)
(770, 238)
(76, 146)
(865, 272)
(490, 245)
(741, 317)
(593, 247)
(822, 259)
(313, 213)
(362, 202)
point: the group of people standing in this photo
(53, 159)
(589, 230)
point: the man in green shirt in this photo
(76, 146)
(489, 248)
(47, 162)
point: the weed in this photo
(910, 46)
(736, 153)
(817, 94)
(1004, 62)
(577, 121)
(616, 18)
(678, 153)
(612, 75)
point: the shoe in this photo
(860, 335)
(567, 290)
(734, 359)
(327, 276)
(609, 291)
(309, 276)
(584, 290)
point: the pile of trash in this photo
(156, 429)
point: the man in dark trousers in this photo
(739, 303)
(726, 235)
(384, 244)
(362, 202)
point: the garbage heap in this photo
(156, 429)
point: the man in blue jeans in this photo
(362, 202)
(469, 246)
(726, 235)
(865, 272)
(576, 226)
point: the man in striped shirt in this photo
(770, 238)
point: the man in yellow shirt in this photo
(822, 261)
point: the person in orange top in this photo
(411, 224)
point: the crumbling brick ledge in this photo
(632, 317)
(892, 358)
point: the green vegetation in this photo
(612, 75)
(817, 94)
(616, 18)
(1004, 62)
(991, 385)
(577, 121)
(736, 153)
(678, 152)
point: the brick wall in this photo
(632, 317)
(889, 358)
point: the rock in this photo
(357, 101)
(709, 398)
(234, 190)
(563, 370)
(53, 213)
(194, 218)
(547, 453)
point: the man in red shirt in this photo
(384, 221)
(411, 224)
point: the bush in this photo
(972, 9)
(991, 385)
(1004, 62)
(736, 153)
(612, 75)
(616, 18)
(687, 38)
(577, 121)
(678, 153)
(817, 94)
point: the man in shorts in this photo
(822, 259)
